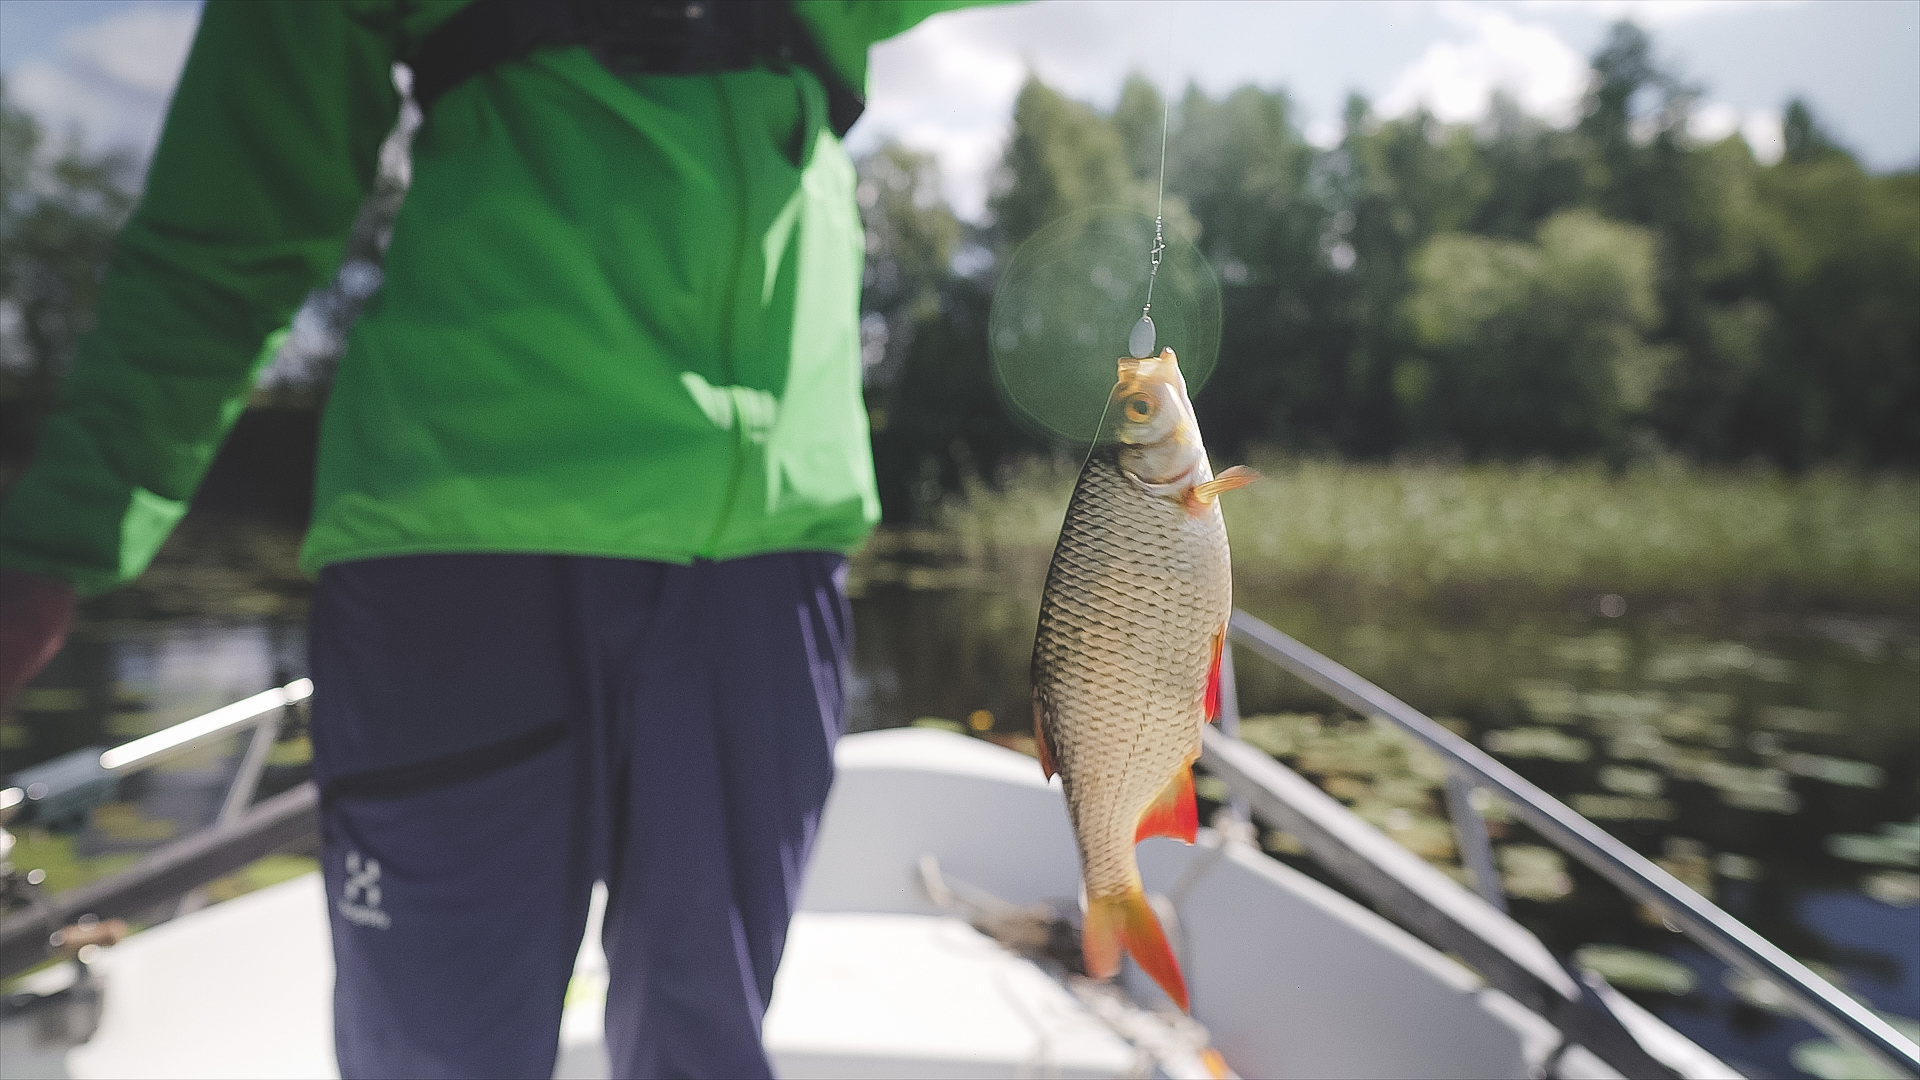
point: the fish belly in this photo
(1138, 589)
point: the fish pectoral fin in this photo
(1205, 494)
(1041, 744)
(1212, 702)
(1127, 921)
(1172, 812)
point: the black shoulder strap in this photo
(671, 37)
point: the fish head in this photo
(1153, 420)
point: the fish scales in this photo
(1138, 587)
(1131, 624)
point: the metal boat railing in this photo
(242, 831)
(1472, 925)
(1289, 801)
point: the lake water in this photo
(1771, 761)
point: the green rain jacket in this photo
(620, 314)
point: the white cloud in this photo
(1456, 77)
(1324, 132)
(143, 49)
(1764, 135)
(948, 90)
(948, 85)
(1716, 120)
(1655, 13)
(112, 78)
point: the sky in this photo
(106, 67)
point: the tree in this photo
(1534, 348)
(1061, 157)
(60, 208)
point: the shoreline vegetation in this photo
(1440, 533)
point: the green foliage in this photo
(1506, 290)
(1062, 157)
(1424, 530)
(60, 207)
(1531, 347)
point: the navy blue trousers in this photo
(495, 733)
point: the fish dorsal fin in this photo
(1040, 743)
(1172, 812)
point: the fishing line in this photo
(1140, 343)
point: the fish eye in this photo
(1139, 408)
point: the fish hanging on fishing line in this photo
(1126, 664)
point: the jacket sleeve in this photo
(271, 142)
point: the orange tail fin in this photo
(1128, 921)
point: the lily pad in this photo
(1635, 969)
(1877, 849)
(1538, 742)
(1830, 1060)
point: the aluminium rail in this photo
(241, 832)
(1382, 869)
(1469, 768)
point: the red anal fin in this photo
(1213, 675)
(1040, 743)
(1128, 921)
(1172, 812)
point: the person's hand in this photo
(35, 615)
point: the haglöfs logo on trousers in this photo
(360, 895)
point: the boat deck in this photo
(1290, 977)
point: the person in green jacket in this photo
(588, 473)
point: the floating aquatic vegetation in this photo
(1743, 787)
(1605, 652)
(122, 821)
(1893, 888)
(1635, 969)
(1800, 721)
(1833, 770)
(1211, 787)
(1757, 992)
(1621, 807)
(1830, 1060)
(1425, 835)
(1766, 994)
(1532, 872)
(55, 853)
(1282, 735)
(1624, 708)
(1282, 843)
(1694, 717)
(287, 752)
(1538, 742)
(1625, 781)
(1715, 660)
(1349, 789)
(1640, 744)
(1548, 701)
(1688, 861)
(1894, 845)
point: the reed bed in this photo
(1429, 529)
